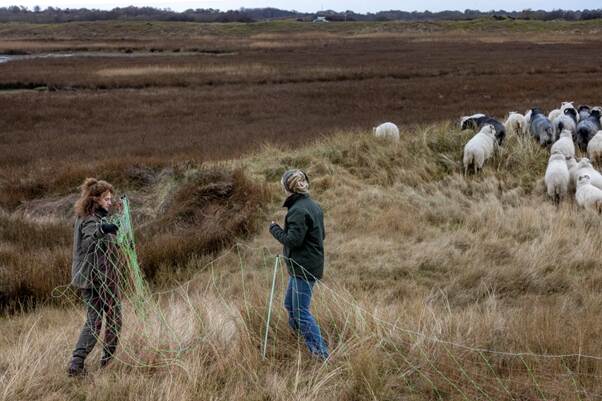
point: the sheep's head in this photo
(571, 162)
(584, 163)
(596, 112)
(557, 155)
(467, 122)
(584, 179)
(535, 111)
(571, 112)
(489, 130)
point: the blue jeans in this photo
(297, 302)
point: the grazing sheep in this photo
(564, 144)
(479, 148)
(571, 164)
(568, 118)
(478, 121)
(553, 114)
(594, 148)
(567, 106)
(386, 130)
(587, 128)
(585, 167)
(588, 196)
(541, 128)
(557, 177)
(467, 122)
(583, 111)
(528, 116)
(516, 124)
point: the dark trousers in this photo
(99, 302)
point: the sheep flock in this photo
(563, 131)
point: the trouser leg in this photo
(113, 324)
(91, 330)
(288, 304)
(304, 322)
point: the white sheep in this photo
(585, 167)
(564, 144)
(553, 114)
(594, 148)
(557, 177)
(588, 196)
(528, 116)
(479, 148)
(564, 121)
(386, 130)
(516, 124)
(571, 163)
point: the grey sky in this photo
(315, 5)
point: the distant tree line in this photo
(53, 14)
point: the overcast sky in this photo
(361, 6)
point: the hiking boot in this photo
(104, 361)
(76, 369)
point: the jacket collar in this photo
(100, 212)
(292, 199)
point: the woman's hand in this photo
(108, 228)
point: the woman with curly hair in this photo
(93, 273)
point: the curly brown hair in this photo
(91, 190)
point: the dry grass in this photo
(183, 212)
(416, 254)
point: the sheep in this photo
(516, 124)
(541, 128)
(478, 121)
(588, 196)
(528, 116)
(587, 128)
(564, 144)
(571, 164)
(479, 148)
(553, 114)
(386, 130)
(557, 177)
(583, 111)
(585, 167)
(594, 148)
(467, 122)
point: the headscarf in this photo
(295, 182)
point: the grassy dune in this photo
(427, 272)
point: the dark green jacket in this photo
(87, 233)
(303, 237)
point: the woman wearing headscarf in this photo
(303, 240)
